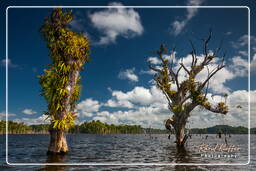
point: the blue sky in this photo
(117, 84)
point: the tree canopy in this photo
(188, 93)
(60, 82)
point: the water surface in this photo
(125, 148)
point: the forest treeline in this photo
(92, 127)
(97, 127)
(224, 128)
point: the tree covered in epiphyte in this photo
(185, 95)
(68, 52)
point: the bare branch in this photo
(206, 43)
(185, 99)
(212, 74)
(218, 49)
(185, 68)
(177, 73)
(206, 91)
(193, 53)
(154, 69)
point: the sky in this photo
(118, 86)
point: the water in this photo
(87, 148)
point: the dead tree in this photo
(189, 93)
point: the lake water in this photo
(118, 149)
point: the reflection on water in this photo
(120, 149)
(54, 159)
(182, 156)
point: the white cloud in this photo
(239, 66)
(178, 26)
(242, 52)
(3, 115)
(114, 22)
(149, 72)
(9, 62)
(121, 103)
(154, 60)
(148, 108)
(152, 110)
(33, 121)
(128, 74)
(144, 116)
(235, 117)
(243, 41)
(28, 111)
(138, 95)
(87, 107)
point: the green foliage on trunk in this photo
(60, 81)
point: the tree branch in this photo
(215, 110)
(154, 69)
(212, 74)
(185, 68)
(206, 91)
(206, 43)
(166, 95)
(193, 53)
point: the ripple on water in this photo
(125, 149)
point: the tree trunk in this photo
(181, 137)
(58, 143)
(179, 125)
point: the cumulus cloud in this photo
(119, 103)
(154, 60)
(145, 116)
(29, 112)
(114, 22)
(153, 110)
(43, 119)
(178, 26)
(146, 107)
(235, 117)
(87, 107)
(239, 66)
(137, 96)
(128, 74)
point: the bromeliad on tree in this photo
(189, 93)
(60, 81)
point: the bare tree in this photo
(184, 96)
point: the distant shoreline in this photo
(97, 127)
